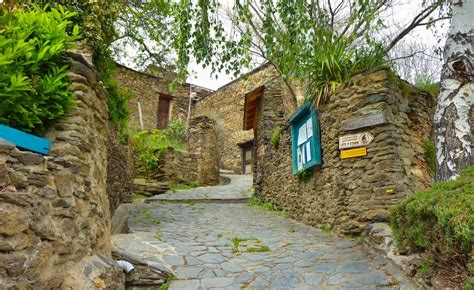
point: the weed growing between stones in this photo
(248, 245)
(219, 236)
(182, 186)
(276, 137)
(166, 284)
(260, 249)
(148, 216)
(256, 201)
(326, 229)
(360, 240)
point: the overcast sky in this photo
(402, 13)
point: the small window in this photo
(305, 138)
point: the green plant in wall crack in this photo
(305, 175)
(34, 86)
(430, 154)
(276, 137)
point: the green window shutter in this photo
(305, 138)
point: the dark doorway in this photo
(248, 158)
(163, 112)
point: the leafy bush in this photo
(33, 66)
(176, 131)
(150, 146)
(439, 221)
(97, 20)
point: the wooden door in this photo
(247, 158)
(163, 112)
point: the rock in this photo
(6, 146)
(15, 243)
(149, 187)
(28, 158)
(4, 179)
(13, 220)
(120, 219)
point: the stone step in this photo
(150, 187)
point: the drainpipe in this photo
(125, 266)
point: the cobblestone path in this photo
(234, 246)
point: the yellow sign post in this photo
(356, 152)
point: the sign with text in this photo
(355, 140)
(364, 121)
(351, 153)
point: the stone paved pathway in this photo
(239, 189)
(195, 241)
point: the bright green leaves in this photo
(33, 67)
(151, 145)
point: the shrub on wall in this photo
(151, 145)
(33, 66)
(440, 222)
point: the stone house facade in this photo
(226, 106)
(346, 195)
(152, 96)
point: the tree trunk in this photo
(453, 117)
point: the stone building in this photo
(152, 96)
(346, 194)
(226, 106)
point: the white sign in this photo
(355, 140)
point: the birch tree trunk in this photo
(453, 117)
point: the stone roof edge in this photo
(157, 77)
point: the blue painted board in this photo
(24, 140)
(302, 115)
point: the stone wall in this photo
(203, 142)
(349, 194)
(54, 210)
(199, 162)
(119, 174)
(226, 106)
(147, 89)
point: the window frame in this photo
(302, 115)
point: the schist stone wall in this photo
(54, 210)
(226, 106)
(147, 90)
(119, 170)
(348, 194)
